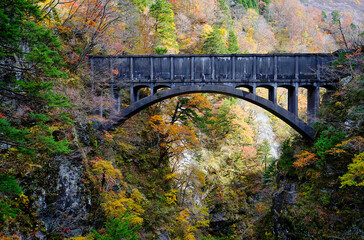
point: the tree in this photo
(29, 63)
(233, 45)
(82, 24)
(263, 152)
(166, 40)
(31, 112)
(118, 229)
(336, 19)
(248, 3)
(215, 42)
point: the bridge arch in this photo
(288, 117)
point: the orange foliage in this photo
(304, 159)
(351, 146)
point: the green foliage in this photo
(324, 15)
(141, 4)
(12, 14)
(270, 172)
(12, 134)
(249, 3)
(8, 185)
(233, 45)
(161, 50)
(224, 118)
(6, 211)
(34, 63)
(215, 42)
(225, 9)
(287, 152)
(335, 16)
(118, 229)
(328, 139)
(162, 11)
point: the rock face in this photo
(265, 132)
(63, 204)
(286, 195)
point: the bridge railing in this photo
(210, 68)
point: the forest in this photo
(193, 167)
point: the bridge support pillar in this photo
(115, 94)
(313, 103)
(272, 92)
(133, 95)
(101, 105)
(293, 99)
(118, 102)
(253, 89)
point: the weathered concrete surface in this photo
(223, 74)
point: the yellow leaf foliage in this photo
(81, 238)
(184, 226)
(355, 174)
(117, 205)
(171, 196)
(105, 172)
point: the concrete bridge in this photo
(171, 75)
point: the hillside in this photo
(193, 167)
(353, 8)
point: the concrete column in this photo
(254, 89)
(313, 103)
(212, 68)
(254, 68)
(293, 99)
(131, 64)
(192, 68)
(172, 68)
(296, 70)
(151, 69)
(275, 69)
(101, 105)
(233, 67)
(113, 95)
(152, 90)
(118, 101)
(133, 95)
(272, 92)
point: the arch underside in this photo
(288, 117)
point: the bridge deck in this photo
(234, 68)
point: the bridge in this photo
(171, 75)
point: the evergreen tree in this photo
(29, 63)
(118, 229)
(215, 43)
(250, 3)
(233, 45)
(254, 4)
(263, 153)
(166, 40)
(225, 9)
